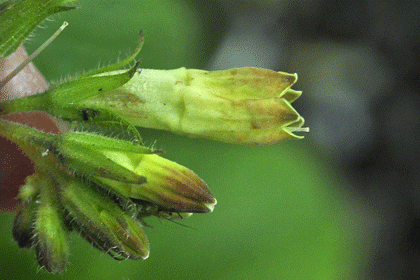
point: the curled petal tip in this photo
(210, 206)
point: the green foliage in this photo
(18, 18)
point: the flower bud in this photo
(51, 234)
(101, 222)
(23, 225)
(250, 106)
(169, 185)
(133, 171)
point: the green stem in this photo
(37, 102)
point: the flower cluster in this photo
(103, 186)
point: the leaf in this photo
(18, 18)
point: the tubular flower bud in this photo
(249, 106)
(51, 234)
(169, 185)
(23, 225)
(132, 171)
(101, 222)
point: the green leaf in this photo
(18, 18)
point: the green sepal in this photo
(99, 120)
(84, 153)
(62, 100)
(100, 142)
(84, 87)
(65, 100)
(18, 18)
(87, 154)
(120, 64)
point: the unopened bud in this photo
(23, 225)
(169, 185)
(101, 222)
(51, 234)
(250, 106)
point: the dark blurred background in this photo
(343, 203)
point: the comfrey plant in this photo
(98, 178)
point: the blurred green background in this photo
(283, 211)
